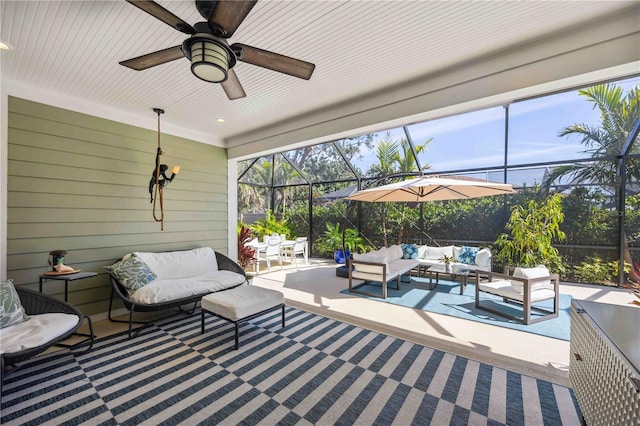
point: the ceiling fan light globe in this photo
(209, 61)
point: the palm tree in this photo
(618, 114)
(395, 157)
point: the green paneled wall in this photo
(81, 183)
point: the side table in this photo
(66, 278)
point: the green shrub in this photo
(595, 271)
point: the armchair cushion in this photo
(539, 271)
(11, 310)
(36, 331)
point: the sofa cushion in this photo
(395, 252)
(467, 255)
(11, 310)
(181, 264)
(132, 273)
(528, 273)
(36, 331)
(483, 259)
(410, 251)
(438, 252)
(381, 252)
(166, 290)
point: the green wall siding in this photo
(81, 183)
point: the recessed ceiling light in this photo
(220, 120)
(5, 46)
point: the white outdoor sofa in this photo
(381, 266)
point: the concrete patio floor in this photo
(316, 288)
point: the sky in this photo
(476, 139)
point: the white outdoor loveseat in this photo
(151, 282)
(381, 266)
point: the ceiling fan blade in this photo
(159, 12)
(152, 59)
(273, 61)
(232, 86)
(227, 16)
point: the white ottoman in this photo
(241, 304)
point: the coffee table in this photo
(453, 273)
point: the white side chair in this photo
(272, 252)
(299, 247)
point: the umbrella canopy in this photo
(430, 188)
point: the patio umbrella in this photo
(432, 188)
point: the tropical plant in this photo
(532, 229)
(246, 254)
(395, 157)
(270, 225)
(618, 114)
(333, 239)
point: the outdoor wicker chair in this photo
(35, 303)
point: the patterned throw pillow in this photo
(11, 310)
(468, 255)
(410, 251)
(132, 273)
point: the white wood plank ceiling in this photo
(72, 48)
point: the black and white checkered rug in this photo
(314, 371)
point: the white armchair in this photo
(523, 286)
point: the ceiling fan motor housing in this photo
(210, 56)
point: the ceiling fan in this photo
(212, 58)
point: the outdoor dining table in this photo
(261, 247)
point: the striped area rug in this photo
(314, 371)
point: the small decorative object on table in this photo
(447, 262)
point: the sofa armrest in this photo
(378, 268)
(224, 263)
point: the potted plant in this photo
(447, 260)
(246, 254)
(340, 243)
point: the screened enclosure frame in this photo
(361, 181)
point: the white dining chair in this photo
(299, 247)
(272, 252)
